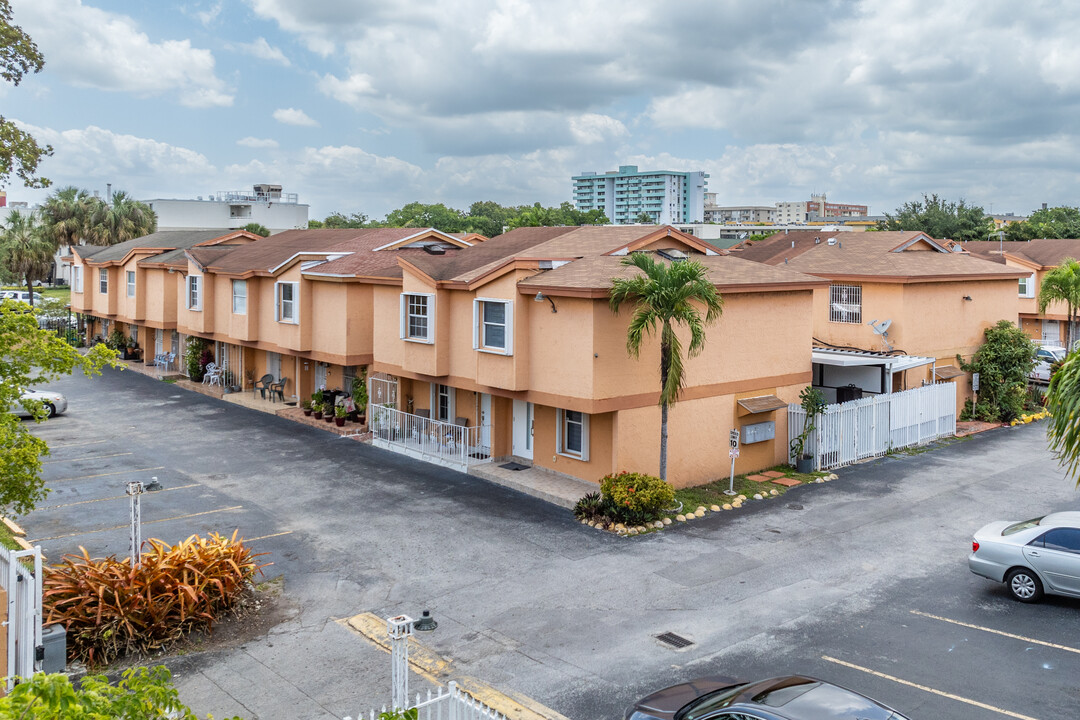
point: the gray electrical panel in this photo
(54, 648)
(758, 432)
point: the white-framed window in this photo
(572, 434)
(239, 297)
(76, 279)
(442, 403)
(103, 281)
(287, 296)
(417, 317)
(131, 283)
(845, 304)
(194, 292)
(1027, 286)
(493, 326)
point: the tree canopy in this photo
(257, 229)
(19, 152)
(26, 250)
(1003, 362)
(1062, 284)
(1055, 222)
(119, 219)
(941, 219)
(30, 356)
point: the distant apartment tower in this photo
(665, 196)
(815, 209)
(264, 204)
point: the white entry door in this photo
(485, 421)
(523, 429)
(159, 342)
(273, 364)
(320, 375)
(1051, 332)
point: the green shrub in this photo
(636, 497)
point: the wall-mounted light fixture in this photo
(541, 297)
(968, 298)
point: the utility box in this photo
(54, 643)
(758, 432)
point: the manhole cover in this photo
(675, 641)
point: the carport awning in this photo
(854, 358)
(948, 372)
(762, 403)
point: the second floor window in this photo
(103, 281)
(194, 294)
(76, 279)
(845, 304)
(239, 297)
(1027, 286)
(286, 302)
(131, 283)
(493, 328)
(416, 317)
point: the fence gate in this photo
(382, 390)
(20, 573)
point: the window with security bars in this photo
(845, 304)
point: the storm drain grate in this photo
(675, 641)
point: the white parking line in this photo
(145, 522)
(118, 472)
(115, 497)
(924, 688)
(1033, 641)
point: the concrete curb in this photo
(15, 529)
(433, 666)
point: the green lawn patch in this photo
(713, 493)
(7, 539)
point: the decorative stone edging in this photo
(700, 512)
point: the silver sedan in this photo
(1031, 557)
(54, 403)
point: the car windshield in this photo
(707, 703)
(1017, 527)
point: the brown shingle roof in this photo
(593, 275)
(164, 240)
(490, 253)
(778, 246)
(1045, 252)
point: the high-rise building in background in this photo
(666, 196)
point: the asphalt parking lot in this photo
(862, 581)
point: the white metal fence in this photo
(20, 573)
(451, 703)
(437, 442)
(382, 389)
(871, 427)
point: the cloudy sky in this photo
(364, 105)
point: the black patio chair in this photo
(278, 388)
(262, 385)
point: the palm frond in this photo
(1063, 402)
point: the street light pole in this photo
(135, 491)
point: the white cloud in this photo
(254, 142)
(89, 47)
(262, 49)
(350, 91)
(208, 16)
(294, 116)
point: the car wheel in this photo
(1024, 585)
(50, 410)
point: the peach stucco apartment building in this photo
(933, 300)
(1034, 258)
(515, 341)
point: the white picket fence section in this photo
(450, 703)
(848, 432)
(20, 576)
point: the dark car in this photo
(793, 697)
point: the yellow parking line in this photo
(115, 497)
(88, 457)
(118, 472)
(124, 527)
(924, 688)
(1033, 641)
(264, 537)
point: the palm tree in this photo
(668, 295)
(1062, 284)
(121, 219)
(25, 249)
(65, 214)
(1063, 404)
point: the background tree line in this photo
(487, 217)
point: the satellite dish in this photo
(882, 330)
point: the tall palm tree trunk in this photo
(665, 367)
(30, 290)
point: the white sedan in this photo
(1031, 557)
(54, 403)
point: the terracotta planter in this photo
(340, 422)
(318, 415)
(307, 412)
(362, 419)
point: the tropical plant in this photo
(1003, 362)
(813, 403)
(590, 507)
(360, 391)
(141, 694)
(193, 355)
(340, 411)
(1063, 404)
(111, 609)
(120, 219)
(25, 249)
(117, 340)
(1062, 284)
(636, 496)
(64, 215)
(667, 295)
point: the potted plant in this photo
(306, 405)
(339, 415)
(316, 409)
(813, 403)
(360, 396)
